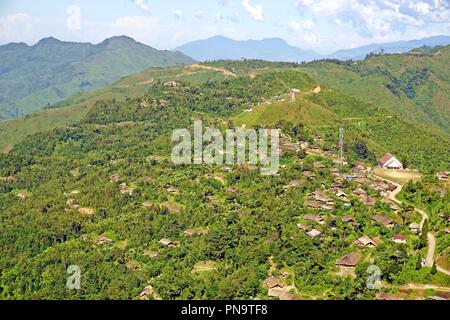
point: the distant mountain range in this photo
(220, 47)
(32, 77)
(389, 47)
(276, 49)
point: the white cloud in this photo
(421, 7)
(218, 16)
(227, 3)
(378, 17)
(144, 29)
(177, 13)
(256, 11)
(142, 5)
(16, 27)
(299, 25)
(312, 39)
(199, 14)
(294, 25)
(136, 22)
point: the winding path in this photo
(431, 239)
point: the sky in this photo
(321, 25)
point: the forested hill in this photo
(414, 85)
(102, 194)
(33, 77)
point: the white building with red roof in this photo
(388, 161)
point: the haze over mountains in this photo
(32, 77)
(390, 47)
(38, 76)
(276, 49)
(220, 47)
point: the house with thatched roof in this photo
(167, 242)
(172, 208)
(314, 217)
(171, 84)
(349, 260)
(309, 174)
(341, 195)
(147, 205)
(319, 196)
(22, 195)
(86, 211)
(114, 177)
(365, 241)
(399, 238)
(367, 200)
(147, 293)
(359, 192)
(386, 221)
(103, 240)
(151, 254)
(303, 226)
(313, 233)
(350, 220)
(335, 171)
(442, 176)
(272, 283)
(318, 165)
(172, 190)
(195, 231)
(125, 189)
(132, 265)
(313, 204)
(414, 227)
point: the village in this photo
(343, 196)
(357, 185)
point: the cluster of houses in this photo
(359, 175)
(325, 199)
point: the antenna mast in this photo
(341, 148)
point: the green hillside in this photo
(391, 82)
(103, 195)
(75, 107)
(32, 77)
(415, 86)
(324, 113)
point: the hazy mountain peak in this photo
(48, 41)
(221, 47)
(117, 41)
(52, 69)
(14, 46)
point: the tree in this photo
(434, 268)
(360, 149)
(423, 236)
(419, 262)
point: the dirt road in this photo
(431, 239)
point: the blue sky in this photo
(322, 25)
